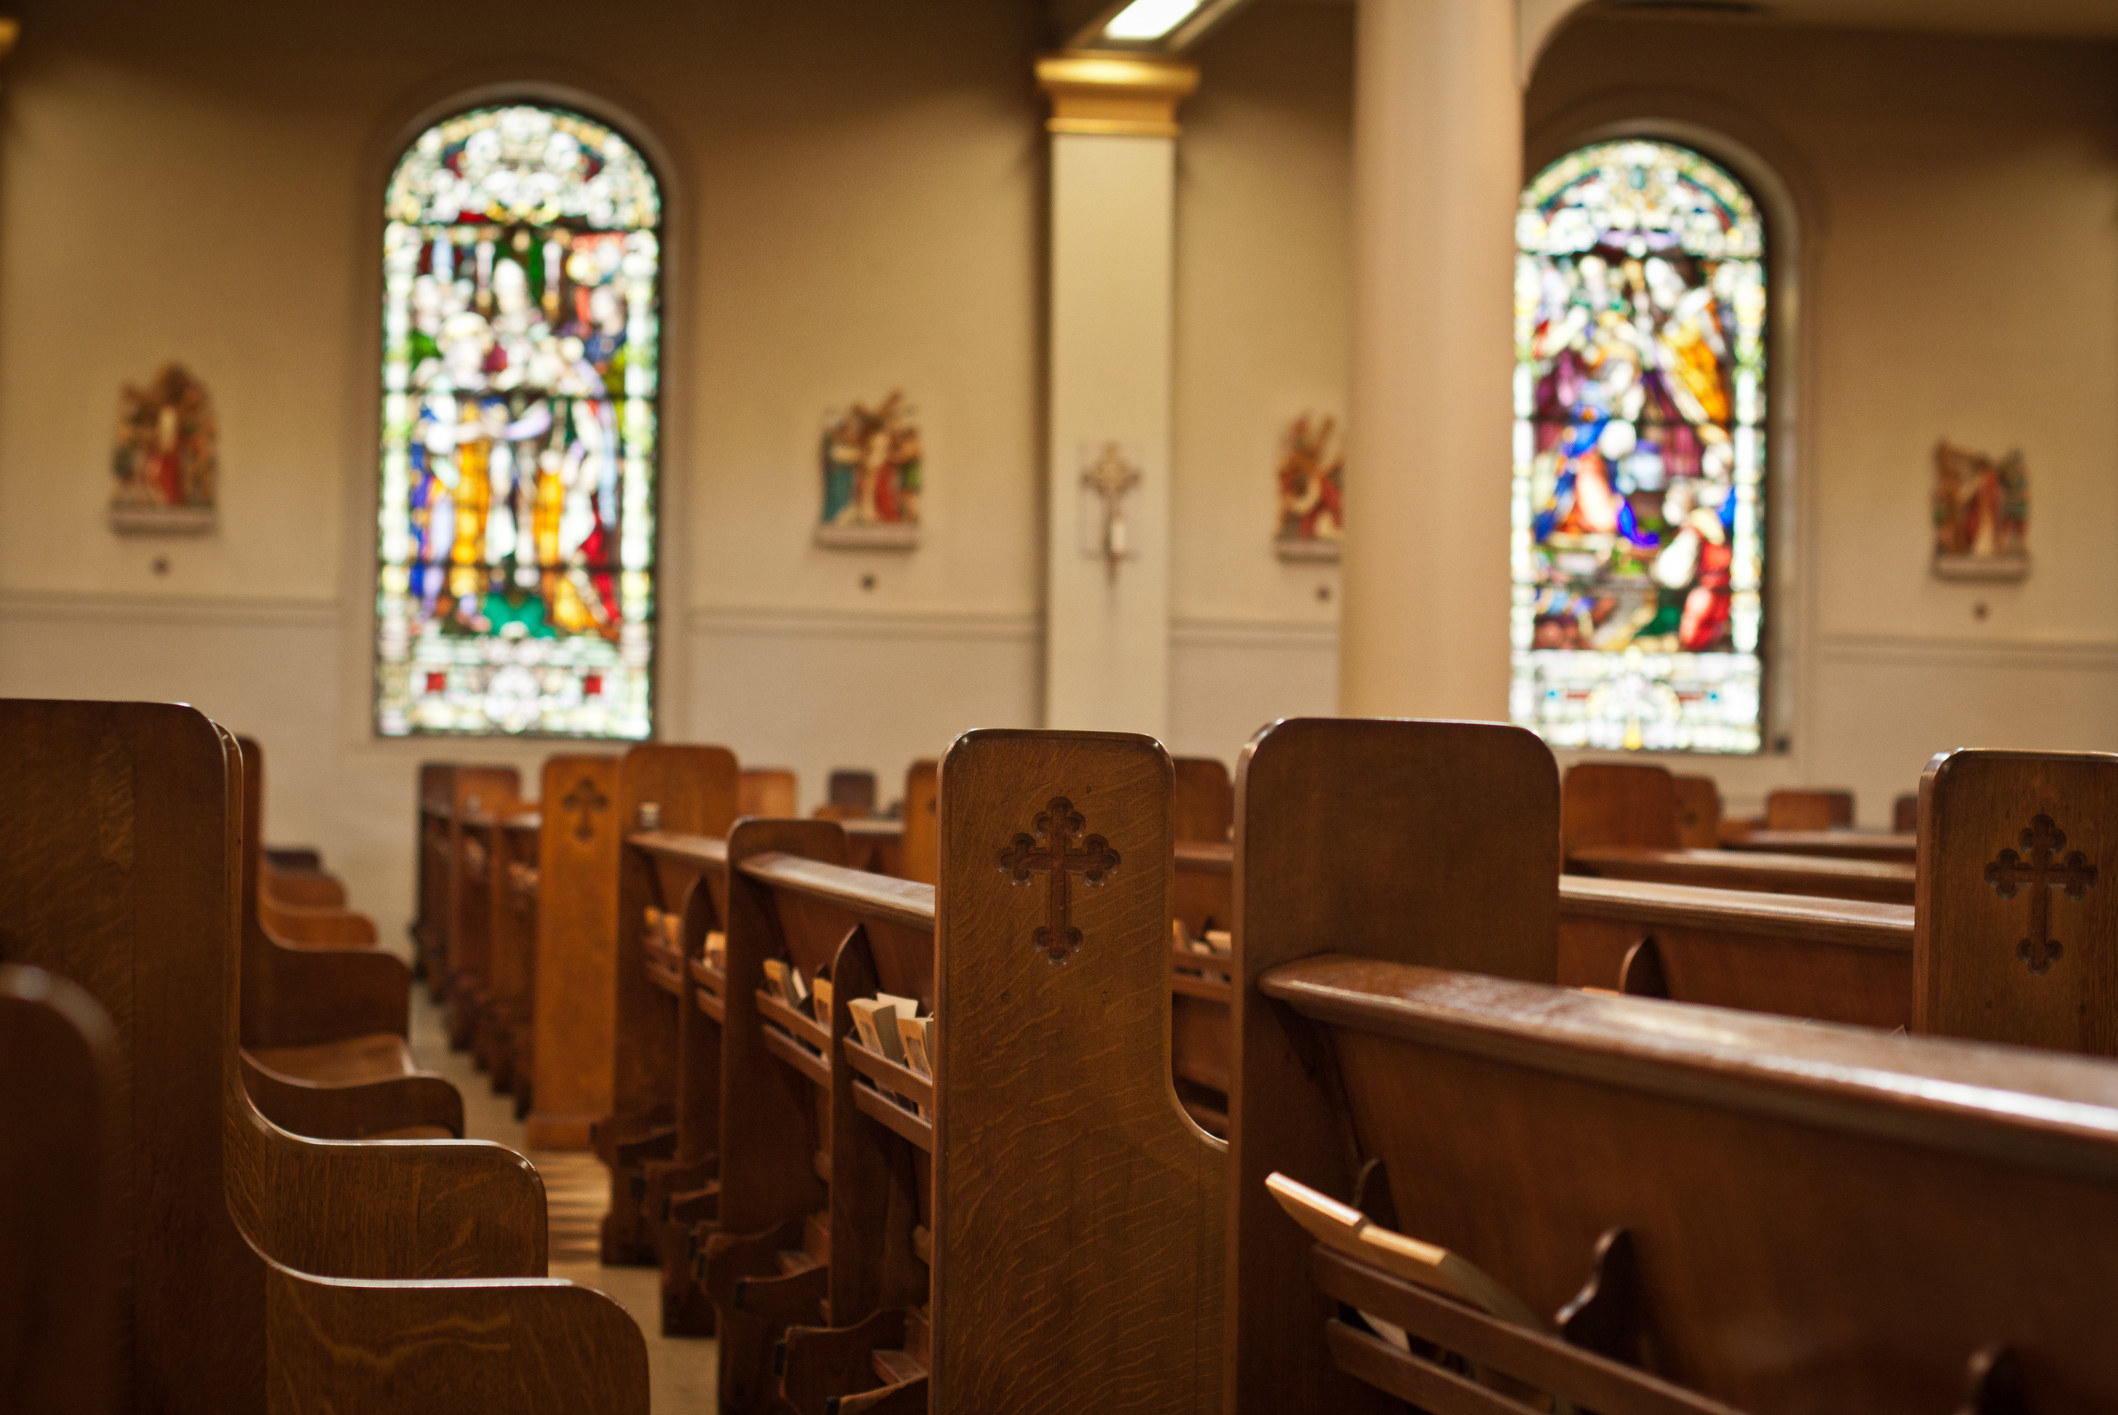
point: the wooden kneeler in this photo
(121, 868)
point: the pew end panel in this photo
(1205, 802)
(57, 1281)
(767, 1265)
(1619, 803)
(2016, 931)
(919, 853)
(691, 790)
(524, 1347)
(1698, 811)
(1078, 1210)
(1820, 1215)
(574, 967)
(1428, 842)
(1807, 808)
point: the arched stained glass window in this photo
(1639, 526)
(521, 342)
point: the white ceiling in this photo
(2056, 17)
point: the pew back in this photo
(59, 1055)
(1815, 1216)
(2017, 917)
(1426, 842)
(1618, 803)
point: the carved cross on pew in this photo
(1052, 850)
(586, 799)
(2042, 841)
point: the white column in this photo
(1112, 252)
(1437, 174)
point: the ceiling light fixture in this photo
(1144, 21)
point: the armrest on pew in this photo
(540, 1347)
(298, 925)
(326, 995)
(393, 1210)
(357, 1112)
(300, 887)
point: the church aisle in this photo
(680, 1370)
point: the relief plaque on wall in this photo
(871, 467)
(1312, 509)
(166, 459)
(1981, 515)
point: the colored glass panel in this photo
(515, 590)
(1638, 549)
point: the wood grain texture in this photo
(1418, 842)
(533, 1347)
(573, 974)
(122, 867)
(58, 1341)
(1825, 1217)
(1834, 960)
(1619, 803)
(1827, 878)
(1077, 1210)
(1987, 922)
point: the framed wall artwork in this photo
(872, 464)
(1312, 508)
(1981, 515)
(165, 458)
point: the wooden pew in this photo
(446, 791)
(1698, 811)
(1644, 1206)
(852, 792)
(323, 1028)
(919, 852)
(259, 1271)
(1049, 1097)
(1808, 809)
(59, 1055)
(678, 1193)
(1840, 843)
(564, 877)
(319, 916)
(768, 791)
(677, 790)
(1516, 1124)
(2017, 919)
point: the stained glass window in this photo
(521, 283)
(1638, 551)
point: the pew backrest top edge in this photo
(1852, 923)
(709, 850)
(2023, 1106)
(859, 892)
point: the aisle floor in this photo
(577, 1191)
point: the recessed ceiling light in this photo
(1145, 20)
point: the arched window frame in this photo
(637, 565)
(1766, 167)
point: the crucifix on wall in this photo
(1107, 479)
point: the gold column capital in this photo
(1115, 94)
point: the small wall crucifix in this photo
(2043, 872)
(1110, 477)
(1052, 850)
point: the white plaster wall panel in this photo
(1228, 678)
